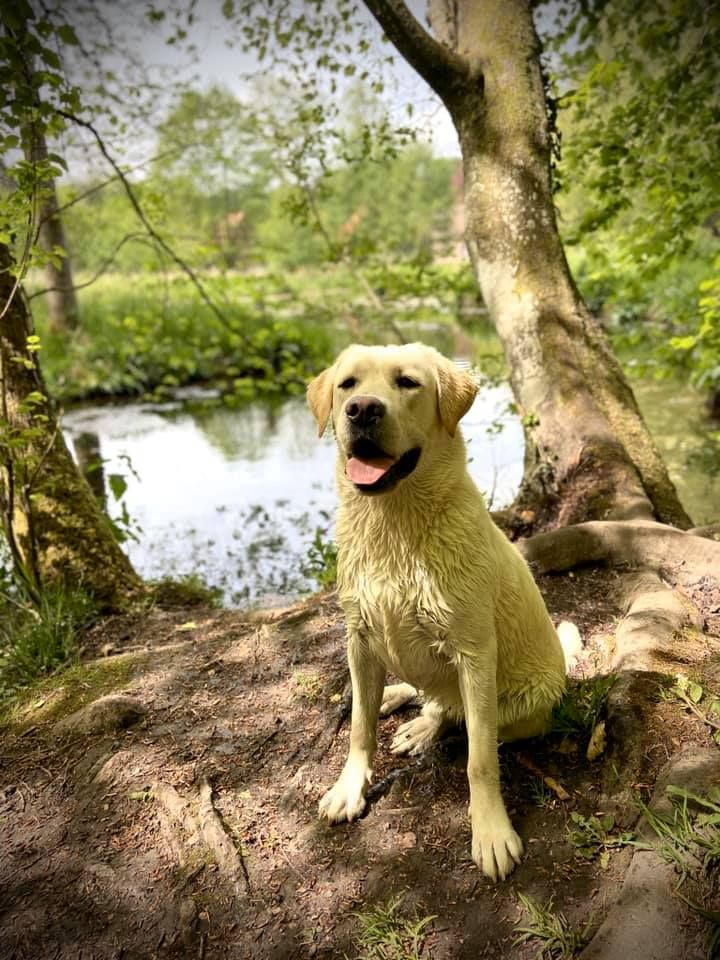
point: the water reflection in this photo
(236, 495)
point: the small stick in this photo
(550, 782)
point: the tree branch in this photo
(104, 266)
(176, 258)
(439, 66)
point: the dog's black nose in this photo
(364, 411)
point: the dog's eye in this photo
(348, 384)
(407, 383)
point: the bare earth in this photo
(193, 832)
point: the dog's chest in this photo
(406, 623)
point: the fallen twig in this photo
(550, 782)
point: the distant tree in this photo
(54, 526)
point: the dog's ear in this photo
(320, 397)
(456, 392)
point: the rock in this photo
(106, 715)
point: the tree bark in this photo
(589, 454)
(56, 529)
(62, 304)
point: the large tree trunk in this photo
(589, 454)
(56, 529)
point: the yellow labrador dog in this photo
(431, 589)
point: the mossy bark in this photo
(588, 451)
(589, 454)
(53, 522)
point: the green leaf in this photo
(695, 692)
(117, 484)
(67, 34)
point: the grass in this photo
(145, 335)
(187, 591)
(582, 705)
(690, 834)
(35, 642)
(555, 938)
(387, 935)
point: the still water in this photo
(237, 495)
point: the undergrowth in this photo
(582, 705)
(37, 640)
(387, 935)
(550, 931)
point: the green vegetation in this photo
(386, 935)
(321, 564)
(582, 705)
(596, 836)
(690, 835)
(555, 938)
(639, 198)
(148, 334)
(48, 699)
(705, 704)
(37, 640)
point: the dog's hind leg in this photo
(524, 715)
(416, 735)
(396, 695)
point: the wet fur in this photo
(434, 592)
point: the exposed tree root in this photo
(201, 825)
(622, 543)
(655, 616)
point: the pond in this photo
(237, 496)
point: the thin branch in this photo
(175, 257)
(439, 66)
(106, 183)
(104, 266)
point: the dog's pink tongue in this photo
(367, 471)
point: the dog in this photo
(431, 589)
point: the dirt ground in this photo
(105, 851)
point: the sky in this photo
(217, 63)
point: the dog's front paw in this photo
(346, 800)
(496, 851)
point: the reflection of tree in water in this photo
(250, 432)
(87, 450)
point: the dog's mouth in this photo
(372, 470)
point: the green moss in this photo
(48, 699)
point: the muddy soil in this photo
(96, 864)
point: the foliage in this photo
(310, 685)
(690, 833)
(321, 564)
(155, 334)
(641, 125)
(386, 935)
(702, 702)
(582, 705)
(37, 640)
(596, 836)
(555, 937)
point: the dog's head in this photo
(390, 407)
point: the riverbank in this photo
(162, 801)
